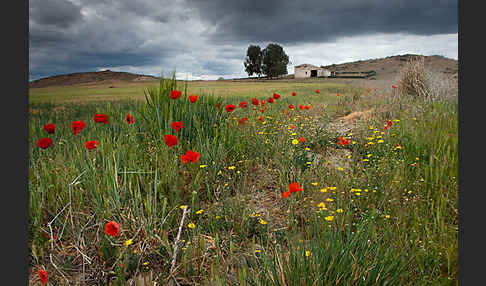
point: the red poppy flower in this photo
(242, 121)
(301, 139)
(254, 108)
(318, 92)
(112, 228)
(43, 276)
(293, 93)
(389, 123)
(276, 95)
(190, 156)
(243, 104)
(230, 107)
(260, 118)
(291, 106)
(254, 101)
(307, 107)
(91, 144)
(170, 140)
(301, 107)
(177, 125)
(415, 164)
(394, 86)
(192, 98)
(263, 101)
(129, 119)
(285, 194)
(44, 143)
(337, 94)
(77, 126)
(101, 118)
(343, 142)
(270, 99)
(50, 128)
(175, 94)
(294, 187)
(292, 126)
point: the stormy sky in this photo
(208, 39)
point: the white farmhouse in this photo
(308, 70)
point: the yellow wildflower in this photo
(329, 218)
(308, 253)
(295, 141)
(261, 221)
(231, 167)
(203, 166)
(339, 211)
(128, 242)
(314, 183)
(199, 211)
(191, 225)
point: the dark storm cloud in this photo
(60, 13)
(319, 21)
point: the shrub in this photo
(413, 79)
(416, 80)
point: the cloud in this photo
(291, 22)
(58, 13)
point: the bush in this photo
(413, 79)
(416, 80)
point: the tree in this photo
(253, 62)
(275, 61)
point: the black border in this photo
(15, 146)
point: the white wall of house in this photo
(301, 73)
(306, 72)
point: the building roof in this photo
(306, 66)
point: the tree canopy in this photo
(253, 62)
(275, 60)
(271, 61)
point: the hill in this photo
(390, 66)
(89, 78)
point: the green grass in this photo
(385, 221)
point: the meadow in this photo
(246, 192)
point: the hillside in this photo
(390, 66)
(89, 78)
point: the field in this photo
(351, 186)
